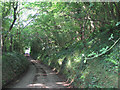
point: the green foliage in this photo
(13, 64)
(111, 37)
(117, 23)
(75, 38)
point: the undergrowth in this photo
(78, 64)
(13, 64)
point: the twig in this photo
(106, 51)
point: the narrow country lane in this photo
(39, 76)
(75, 44)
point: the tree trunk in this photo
(4, 49)
(15, 9)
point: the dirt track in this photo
(39, 76)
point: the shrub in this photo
(13, 64)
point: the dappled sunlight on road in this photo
(41, 76)
(39, 85)
(34, 61)
(45, 77)
(66, 84)
(60, 82)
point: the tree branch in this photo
(106, 50)
(15, 9)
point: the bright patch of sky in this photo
(26, 14)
